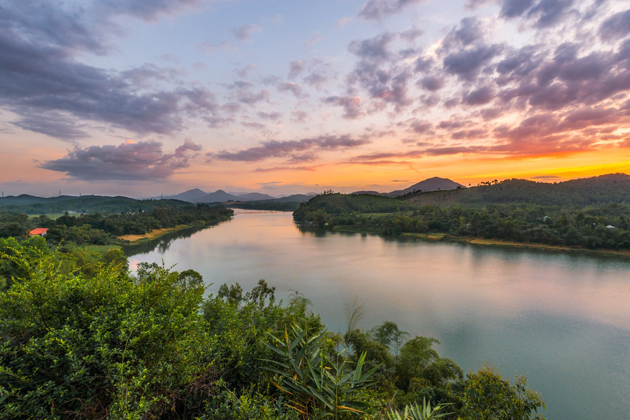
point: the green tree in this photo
(111, 345)
(488, 396)
(420, 365)
(389, 335)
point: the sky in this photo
(149, 97)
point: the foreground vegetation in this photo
(94, 340)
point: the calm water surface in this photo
(563, 320)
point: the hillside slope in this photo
(218, 196)
(431, 184)
(347, 203)
(611, 188)
(191, 195)
(85, 204)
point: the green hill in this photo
(334, 204)
(604, 189)
(85, 204)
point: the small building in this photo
(38, 232)
(610, 227)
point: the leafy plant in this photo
(317, 385)
(415, 412)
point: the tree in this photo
(111, 345)
(488, 396)
(389, 335)
(420, 365)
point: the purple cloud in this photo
(351, 106)
(381, 9)
(294, 149)
(142, 161)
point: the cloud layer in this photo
(296, 150)
(142, 161)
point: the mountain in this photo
(431, 184)
(218, 196)
(191, 196)
(254, 197)
(198, 196)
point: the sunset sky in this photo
(142, 97)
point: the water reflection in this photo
(163, 243)
(562, 319)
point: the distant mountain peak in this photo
(430, 184)
(191, 195)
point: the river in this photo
(561, 319)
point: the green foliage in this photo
(102, 228)
(488, 396)
(415, 412)
(248, 406)
(317, 385)
(612, 188)
(241, 324)
(590, 213)
(111, 345)
(389, 335)
(598, 190)
(338, 204)
(604, 226)
(18, 257)
(420, 365)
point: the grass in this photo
(53, 216)
(154, 234)
(100, 248)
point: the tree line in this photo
(102, 229)
(594, 227)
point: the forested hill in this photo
(29, 204)
(333, 204)
(604, 189)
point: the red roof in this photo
(38, 231)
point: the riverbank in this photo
(491, 242)
(131, 240)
